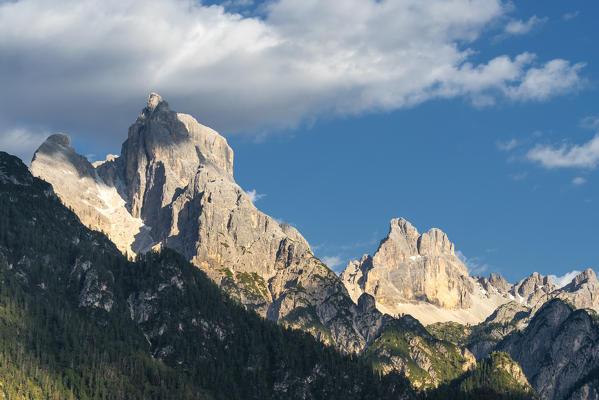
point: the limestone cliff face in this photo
(97, 202)
(409, 267)
(173, 186)
(533, 290)
(162, 153)
(420, 275)
(582, 292)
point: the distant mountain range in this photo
(172, 187)
(420, 275)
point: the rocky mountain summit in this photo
(172, 186)
(80, 186)
(409, 266)
(420, 275)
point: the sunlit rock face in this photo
(173, 186)
(100, 204)
(411, 268)
(420, 275)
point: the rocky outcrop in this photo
(409, 267)
(172, 186)
(533, 289)
(508, 317)
(420, 275)
(582, 292)
(97, 202)
(559, 348)
(499, 283)
(508, 313)
(354, 276)
(588, 391)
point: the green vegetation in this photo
(306, 319)
(492, 378)
(450, 332)
(468, 336)
(253, 283)
(409, 341)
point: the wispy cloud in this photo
(563, 280)
(571, 15)
(555, 77)
(507, 146)
(579, 180)
(591, 122)
(583, 155)
(255, 196)
(474, 265)
(372, 241)
(519, 27)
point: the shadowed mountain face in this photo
(558, 351)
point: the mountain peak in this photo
(402, 240)
(435, 242)
(54, 154)
(155, 101)
(402, 225)
(583, 277)
(59, 139)
(409, 268)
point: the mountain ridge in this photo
(419, 274)
(172, 186)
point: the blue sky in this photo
(475, 117)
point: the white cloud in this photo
(507, 146)
(519, 27)
(591, 122)
(539, 84)
(579, 180)
(582, 156)
(332, 261)
(563, 280)
(255, 196)
(474, 265)
(86, 66)
(21, 143)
